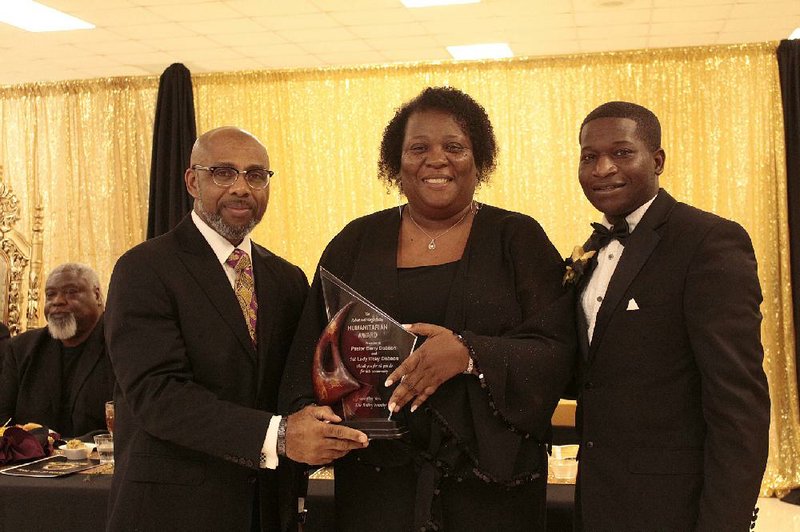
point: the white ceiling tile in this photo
(262, 8)
(185, 12)
(766, 9)
(354, 5)
(618, 33)
(380, 31)
(153, 31)
(114, 47)
(553, 34)
(416, 42)
(686, 28)
(601, 45)
(547, 47)
(369, 16)
(602, 5)
(149, 58)
(317, 35)
(231, 64)
(403, 55)
(269, 51)
(148, 35)
(532, 24)
(613, 17)
(349, 47)
(758, 23)
(764, 34)
(449, 14)
(297, 22)
(231, 27)
(111, 16)
(673, 41)
(264, 38)
(688, 3)
(351, 58)
(181, 43)
(675, 14)
(291, 61)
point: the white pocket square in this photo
(632, 305)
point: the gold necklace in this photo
(432, 243)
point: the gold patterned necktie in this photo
(245, 289)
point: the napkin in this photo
(18, 445)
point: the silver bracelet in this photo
(471, 363)
(470, 366)
(281, 447)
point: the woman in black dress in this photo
(482, 287)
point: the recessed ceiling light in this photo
(795, 34)
(33, 16)
(431, 3)
(496, 50)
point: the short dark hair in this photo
(647, 125)
(468, 113)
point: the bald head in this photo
(218, 138)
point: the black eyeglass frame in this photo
(212, 169)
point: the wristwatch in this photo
(281, 447)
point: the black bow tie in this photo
(602, 235)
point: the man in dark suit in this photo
(60, 376)
(673, 409)
(199, 324)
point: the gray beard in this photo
(228, 232)
(62, 328)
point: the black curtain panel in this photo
(174, 132)
(789, 71)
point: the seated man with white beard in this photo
(60, 376)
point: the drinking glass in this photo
(105, 448)
(110, 416)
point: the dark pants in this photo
(370, 498)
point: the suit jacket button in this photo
(589, 444)
(588, 385)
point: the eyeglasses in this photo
(225, 176)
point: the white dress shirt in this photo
(223, 249)
(607, 259)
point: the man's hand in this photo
(312, 437)
(440, 358)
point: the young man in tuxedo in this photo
(199, 324)
(673, 405)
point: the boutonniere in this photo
(576, 265)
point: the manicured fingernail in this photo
(413, 408)
(388, 383)
(407, 326)
(392, 406)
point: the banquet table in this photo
(78, 502)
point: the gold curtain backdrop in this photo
(84, 148)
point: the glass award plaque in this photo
(357, 350)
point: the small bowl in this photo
(564, 468)
(81, 453)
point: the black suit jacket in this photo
(194, 396)
(673, 409)
(30, 387)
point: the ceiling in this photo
(143, 37)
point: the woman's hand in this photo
(441, 357)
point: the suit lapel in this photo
(93, 350)
(204, 267)
(638, 248)
(267, 289)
